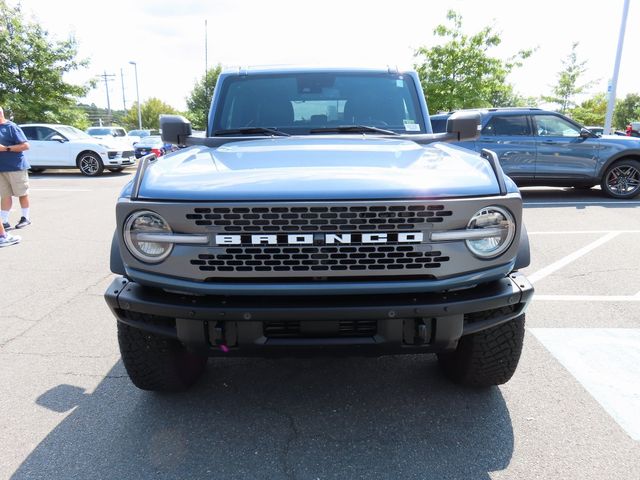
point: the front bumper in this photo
(119, 158)
(398, 323)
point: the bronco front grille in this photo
(337, 258)
(317, 218)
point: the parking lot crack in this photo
(596, 272)
(68, 302)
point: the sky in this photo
(167, 38)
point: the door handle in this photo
(548, 142)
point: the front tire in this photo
(486, 358)
(157, 363)
(90, 164)
(622, 179)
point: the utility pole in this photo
(107, 78)
(124, 102)
(135, 67)
(616, 69)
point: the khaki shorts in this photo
(14, 184)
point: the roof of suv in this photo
(256, 69)
(52, 125)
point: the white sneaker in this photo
(6, 240)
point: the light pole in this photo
(616, 68)
(135, 66)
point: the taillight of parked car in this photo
(157, 151)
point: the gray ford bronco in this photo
(320, 215)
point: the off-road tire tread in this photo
(158, 363)
(488, 357)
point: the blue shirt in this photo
(11, 134)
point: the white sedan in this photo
(63, 146)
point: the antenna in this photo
(206, 58)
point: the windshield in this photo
(139, 133)
(297, 103)
(72, 133)
(99, 131)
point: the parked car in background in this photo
(539, 147)
(137, 135)
(101, 132)
(599, 131)
(63, 146)
(151, 144)
(114, 135)
(633, 129)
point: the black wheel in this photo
(116, 169)
(622, 179)
(157, 363)
(90, 164)
(36, 170)
(486, 358)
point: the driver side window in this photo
(45, 133)
(552, 126)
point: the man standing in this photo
(14, 179)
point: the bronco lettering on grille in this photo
(320, 238)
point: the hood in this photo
(319, 168)
(623, 138)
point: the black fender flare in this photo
(523, 258)
(116, 264)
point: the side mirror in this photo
(465, 124)
(57, 138)
(586, 133)
(175, 129)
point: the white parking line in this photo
(595, 204)
(577, 232)
(588, 298)
(60, 190)
(549, 269)
(604, 361)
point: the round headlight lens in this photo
(501, 230)
(145, 222)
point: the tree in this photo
(32, 66)
(627, 110)
(567, 87)
(591, 111)
(199, 100)
(150, 113)
(460, 73)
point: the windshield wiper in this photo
(251, 131)
(352, 129)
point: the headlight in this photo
(145, 222)
(500, 228)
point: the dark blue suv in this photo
(540, 147)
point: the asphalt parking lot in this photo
(570, 412)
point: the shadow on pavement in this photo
(393, 417)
